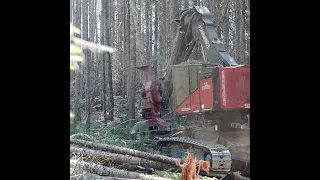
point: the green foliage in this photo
(113, 140)
(76, 128)
(71, 115)
(143, 136)
(75, 50)
(117, 136)
(123, 129)
(74, 29)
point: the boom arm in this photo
(196, 26)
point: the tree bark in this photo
(87, 60)
(186, 3)
(104, 85)
(225, 23)
(127, 151)
(127, 47)
(162, 33)
(132, 71)
(121, 52)
(242, 43)
(121, 159)
(77, 110)
(150, 33)
(147, 39)
(108, 171)
(237, 22)
(174, 14)
(156, 32)
(136, 17)
(108, 55)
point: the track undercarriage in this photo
(227, 150)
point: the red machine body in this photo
(153, 96)
(227, 89)
(153, 100)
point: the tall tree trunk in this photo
(77, 110)
(132, 70)
(111, 22)
(162, 33)
(92, 25)
(72, 20)
(121, 51)
(156, 32)
(87, 61)
(140, 39)
(150, 34)
(104, 57)
(127, 46)
(109, 68)
(137, 26)
(147, 37)
(136, 13)
(247, 28)
(237, 23)
(93, 76)
(167, 28)
(242, 43)
(174, 14)
(225, 23)
(217, 14)
(186, 3)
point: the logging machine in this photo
(214, 89)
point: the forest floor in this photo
(115, 133)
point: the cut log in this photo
(127, 151)
(135, 168)
(86, 175)
(123, 159)
(113, 172)
(83, 135)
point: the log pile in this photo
(111, 162)
(103, 161)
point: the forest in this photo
(115, 37)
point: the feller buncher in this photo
(214, 89)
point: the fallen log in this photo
(113, 172)
(119, 158)
(135, 168)
(86, 175)
(84, 135)
(127, 151)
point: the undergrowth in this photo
(118, 136)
